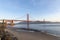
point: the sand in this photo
(32, 35)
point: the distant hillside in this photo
(37, 22)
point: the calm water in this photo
(53, 29)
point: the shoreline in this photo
(33, 35)
(33, 30)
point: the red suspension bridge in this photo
(12, 21)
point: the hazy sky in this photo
(38, 9)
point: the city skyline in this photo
(38, 9)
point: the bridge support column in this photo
(6, 23)
(12, 23)
(3, 23)
(27, 21)
(3, 26)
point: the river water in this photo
(53, 29)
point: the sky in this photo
(37, 9)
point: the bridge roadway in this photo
(32, 35)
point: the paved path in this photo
(32, 35)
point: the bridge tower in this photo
(27, 21)
(4, 23)
(12, 23)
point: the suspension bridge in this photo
(12, 21)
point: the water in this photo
(53, 29)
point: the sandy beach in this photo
(32, 35)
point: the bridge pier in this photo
(5, 23)
(12, 23)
